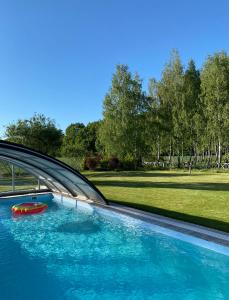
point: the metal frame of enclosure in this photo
(54, 174)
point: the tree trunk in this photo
(178, 157)
(190, 155)
(195, 155)
(209, 158)
(190, 168)
(219, 153)
(158, 150)
(178, 160)
(216, 154)
(170, 151)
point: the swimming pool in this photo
(80, 251)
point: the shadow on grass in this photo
(205, 186)
(212, 223)
(140, 174)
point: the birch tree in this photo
(170, 93)
(122, 130)
(215, 97)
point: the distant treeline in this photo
(184, 114)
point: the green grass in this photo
(201, 198)
(23, 183)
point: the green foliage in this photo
(215, 98)
(154, 125)
(170, 93)
(185, 114)
(189, 111)
(80, 140)
(39, 133)
(103, 165)
(72, 144)
(122, 129)
(76, 163)
(5, 169)
(129, 163)
(193, 121)
(226, 158)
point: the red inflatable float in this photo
(29, 208)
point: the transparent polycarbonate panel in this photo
(55, 175)
(91, 194)
(5, 177)
(15, 178)
(72, 177)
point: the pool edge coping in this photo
(201, 232)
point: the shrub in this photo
(103, 165)
(226, 158)
(74, 162)
(91, 163)
(113, 163)
(128, 164)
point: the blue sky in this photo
(57, 57)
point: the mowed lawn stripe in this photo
(202, 197)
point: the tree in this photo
(215, 97)
(194, 121)
(72, 144)
(122, 129)
(91, 134)
(39, 133)
(80, 140)
(154, 121)
(170, 93)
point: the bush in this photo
(113, 163)
(128, 164)
(91, 163)
(103, 165)
(76, 163)
(226, 158)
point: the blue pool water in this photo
(91, 253)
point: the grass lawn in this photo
(24, 183)
(201, 198)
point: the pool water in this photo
(90, 253)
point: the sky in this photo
(57, 57)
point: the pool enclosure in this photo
(50, 174)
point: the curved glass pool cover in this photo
(56, 175)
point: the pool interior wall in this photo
(77, 250)
(111, 211)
